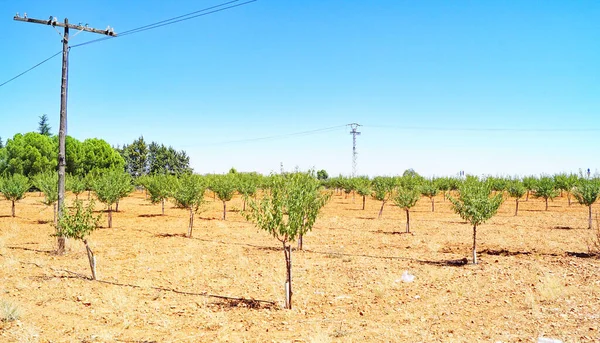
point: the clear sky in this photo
(489, 87)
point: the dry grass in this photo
(157, 285)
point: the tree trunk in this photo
(110, 216)
(381, 210)
(569, 198)
(287, 250)
(527, 196)
(517, 207)
(117, 206)
(163, 207)
(432, 204)
(590, 217)
(13, 208)
(61, 245)
(89, 194)
(546, 204)
(407, 221)
(364, 200)
(300, 242)
(91, 259)
(224, 210)
(244, 204)
(76, 196)
(474, 244)
(444, 193)
(191, 223)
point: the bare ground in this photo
(226, 283)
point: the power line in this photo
(188, 16)
(32, 68)
(481, 129)
(286, 135)
(177, 19)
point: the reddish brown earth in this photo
(158, 286)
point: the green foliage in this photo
(247, 184)
(545, 188)
(43, 126)
(14, 188)
(429, 189)
(30, 154)
(475, 203)
(75, 158)
(233, 171)
(112, 186)
(291, 207)
(587, 192)
(322, 175)
(75, 184)
(530, 182)
(497, 184)
(516, 189)
(166, 160)
(189, 191)
(406, 198)
(47, 183)
(362, 184)
(77, 222)
(136, 157)
(100, 156)
(382, 187)
(224, 186)
(442, 183)
(159, 187)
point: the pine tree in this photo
(44, 127)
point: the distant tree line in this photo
(153, 159)
(33, 153)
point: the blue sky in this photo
(432, 82)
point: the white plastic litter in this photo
(548, 340)
(407, 277)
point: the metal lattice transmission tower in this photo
(354, 133)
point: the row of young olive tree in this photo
(287, 208)
(544, 187)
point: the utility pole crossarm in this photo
(53, 22)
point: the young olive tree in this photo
(75, 184)
(406, 198)
(545, 188)
(362, 185)
(247, 185)
(565, 183)
(443, 184)
(224, 187)
(530, 183)
(476, 205)
(516, 190)
(383, 187)
(110, 187)
(78, 223)
(159, 186)
(47, 183)
(189, 194)
(430, 190)
(586, 194)
(14, 188)
(286, 212)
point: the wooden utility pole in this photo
(62, 131)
